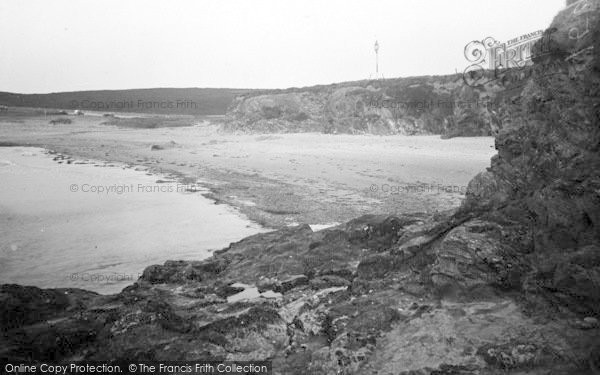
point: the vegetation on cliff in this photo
(417, 105)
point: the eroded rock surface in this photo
(417, 105)
(343, 300)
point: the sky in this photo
(71, 45)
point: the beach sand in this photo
(279, 180)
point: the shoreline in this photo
(77, 238)
(268, 177)
(160, 174)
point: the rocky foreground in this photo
(508, 284)
(383, 295)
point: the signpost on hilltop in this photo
(376, 60)
(376, 48)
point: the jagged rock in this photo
(511, 356)
(378, 266)
(180, 271)
(228, 290)
(549, 157)
(471, 261)
(361, 316)
(24, 305)
(575, 285)
(290, 283)
(484, 190)
(328, 281)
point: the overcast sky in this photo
(58, 45)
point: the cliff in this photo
(508, 284)
(546, 174)
(418, 105)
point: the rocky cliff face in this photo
(508, 284)
(547, 171)
(420, 105)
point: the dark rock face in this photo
(25, 315)
(472, 116)
(546, 174)
(291, 283)
(508, 284)
(27, 305)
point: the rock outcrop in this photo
(419, 105)
(507, 284)
(547, 171)
(361, 297)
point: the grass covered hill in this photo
(180, 101)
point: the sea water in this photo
(96, 227)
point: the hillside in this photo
(415, 105)
(176, 101)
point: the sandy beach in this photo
(279, 180)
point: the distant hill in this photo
(182, 101)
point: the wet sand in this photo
(280, 179)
